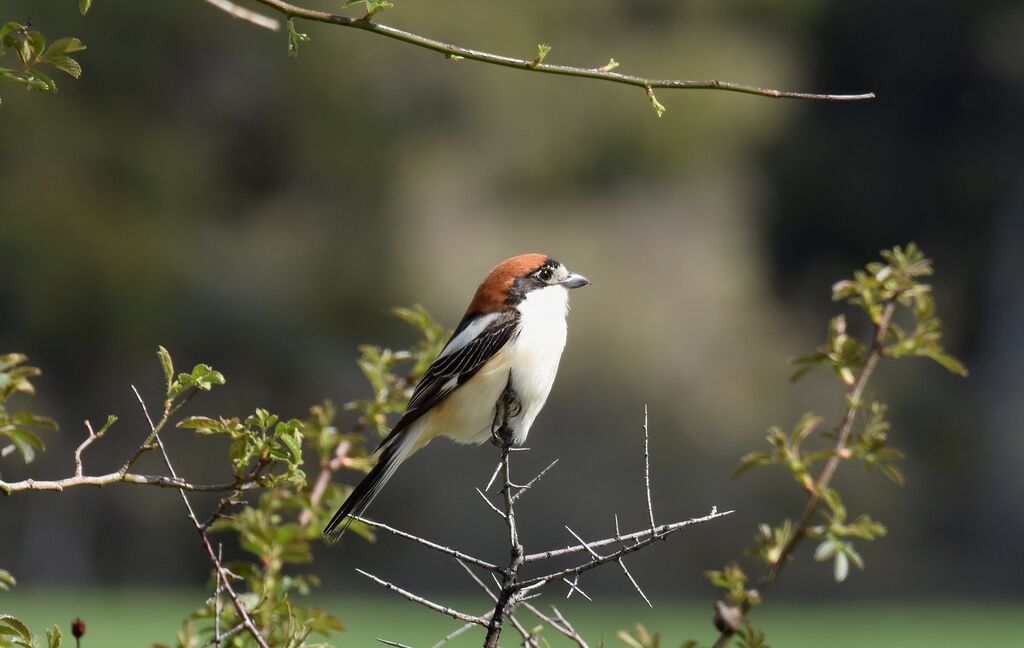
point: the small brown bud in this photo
(727, 618)
(78, 628)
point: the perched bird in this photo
(493, 375)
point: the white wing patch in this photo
(468, 334)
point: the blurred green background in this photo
(199, 189)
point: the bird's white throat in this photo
(537, 349)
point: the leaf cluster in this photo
(258, 444)
(896, 280)
(281, 528)
(28, 50)
(381, 366)
(19, 431)
(886, 292)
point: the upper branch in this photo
(534, 65)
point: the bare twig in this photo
(490, 504)
(216, 600)
(247, 15)
(323, 480)
(621, 562)
(455, 633)
(604, 73)
(161, 481)
(647, 471)
(453, 613)
(388, 642)
(222, 575)
(85, 444)
(458, 555)
(529, 484)
(557, 625)
(571, 631)
(575, 587)
(227, 635)
(523, 632)
(645, 536)
(494, 475)
(509, 588)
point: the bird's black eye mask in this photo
(545, 275)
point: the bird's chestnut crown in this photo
(507, 284)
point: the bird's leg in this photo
(506, 408)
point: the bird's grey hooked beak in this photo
(575, 281)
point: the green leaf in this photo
(659, 109)
(294, 38)
(825, 550)
(628, 639)
(6, 29)
(542, 52)
(842, 567)
(63, 63)
(752, 460)
(202, 425)
(26, 442)
(66, 45)
(42, 81)
(168, 366)
(203, 377)
(84, 5)
(111, 419)
(10, 625)
(950, 363)
(53, 637)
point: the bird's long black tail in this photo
(391, 455)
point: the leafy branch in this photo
(255, 602)
(28, 49)
(883, 291)
(372, 8)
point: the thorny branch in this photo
(603, 73)
(514, 591)
(853, 400)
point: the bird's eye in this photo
(545, 274)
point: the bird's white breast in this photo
(531, 358)
(536, 351)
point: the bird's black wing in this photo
(454, 367)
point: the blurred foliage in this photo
(392, 390)
(879, 290)
(20, 428)
(267, 453)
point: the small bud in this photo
(727, 618)
(659, 109)
(78, 628)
